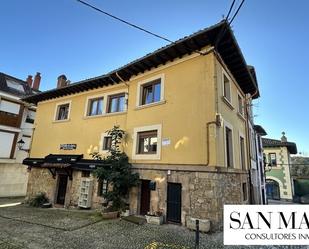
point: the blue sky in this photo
(63, 36)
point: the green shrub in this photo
(38, 200)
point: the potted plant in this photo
(155, 218)
(110, 213)
(117, 171)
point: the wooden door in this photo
(62, 188)
(173, 202)
(145, 197)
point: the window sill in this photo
(146, 157)
(241, 116)
(161, 102)
(227, 102)
(105, 115)
(61, 121)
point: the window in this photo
(151, 92)
(244, 191)
(229, 147)
(102, 187)
(85, 174)
(7, 144)
(272, 159)
(240, 105)
(95, 106)
(147, 142)
(242, 152)
(63, 111)
(226, 88)
(107, 143)
(116, 103)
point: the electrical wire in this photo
(138, 27)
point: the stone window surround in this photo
(241, 135)
(143, 82)
(57, 107)
(105, 97)
(103, 135)
(229, 102)
(156, 156)
(228, 125)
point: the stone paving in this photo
(25, 227)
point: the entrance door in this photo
(272, 190)
(173, 202)
(62, 188)
(145, 197)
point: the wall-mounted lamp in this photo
(169, 172)
(20, 145)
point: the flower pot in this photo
(156, 220)
(125, 213)
(109, 215)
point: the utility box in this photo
(85, 193)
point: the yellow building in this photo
(183, 109)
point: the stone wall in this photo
(203, 193)
(41, 180)
(13, 179)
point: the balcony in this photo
(10, 119)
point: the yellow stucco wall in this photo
(189, 103)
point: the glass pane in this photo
(93, 107)
(99, 106)
(121, 103)
(157, 92)
(113, 104)
(148, 94)
(63, 112)
(153, 144)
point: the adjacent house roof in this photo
(227, 47)
(260, 130)
(14, 86)
(267, 142)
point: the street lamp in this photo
(20, 145)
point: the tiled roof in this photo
(227, 48)
(267, 142)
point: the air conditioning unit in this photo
(85, 193)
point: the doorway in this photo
(62, 188)
(145, 197)
(272, 190)
(173, 202)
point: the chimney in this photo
(29, 80)
(36, 82)
(62, 81)
(283, 138)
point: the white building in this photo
(16, 125)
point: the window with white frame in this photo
(242, 152)
(116, 103)
(150, 90)
(228, 136)
(147, 142)
(62, 111)
(227, 88)
(240, 105)
(95, 106)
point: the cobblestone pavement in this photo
(24, 227)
